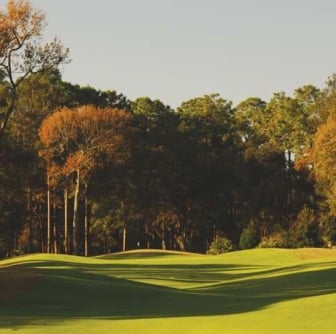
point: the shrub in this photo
(305, 231)
(276, 240)
(220, 245)
(249, 237)
(329, 229)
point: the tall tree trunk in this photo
(290, 192)
(163, 237)
(7, 113)
(48, 214)
(124, 229)
(41, 214)
(54, 228)
(124, 239)
(86, 221)
(147, 236)
(75, 215)
(30, 229)
(66, 237)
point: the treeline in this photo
(87, 172)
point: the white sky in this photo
(175, 50)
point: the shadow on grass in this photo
(67, 291)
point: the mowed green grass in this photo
(255, 291)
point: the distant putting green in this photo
(149, 292)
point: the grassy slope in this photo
(257, 291)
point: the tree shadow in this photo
(68, 291)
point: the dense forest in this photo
(86, 171)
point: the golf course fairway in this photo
(152, 292)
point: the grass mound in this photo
(315, 253)
(255, 291)
(142, 253)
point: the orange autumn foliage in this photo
(324, 152)
(324, 157)
(21, 51)
(83, 137)
(19, 23)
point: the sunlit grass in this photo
(256, 291)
